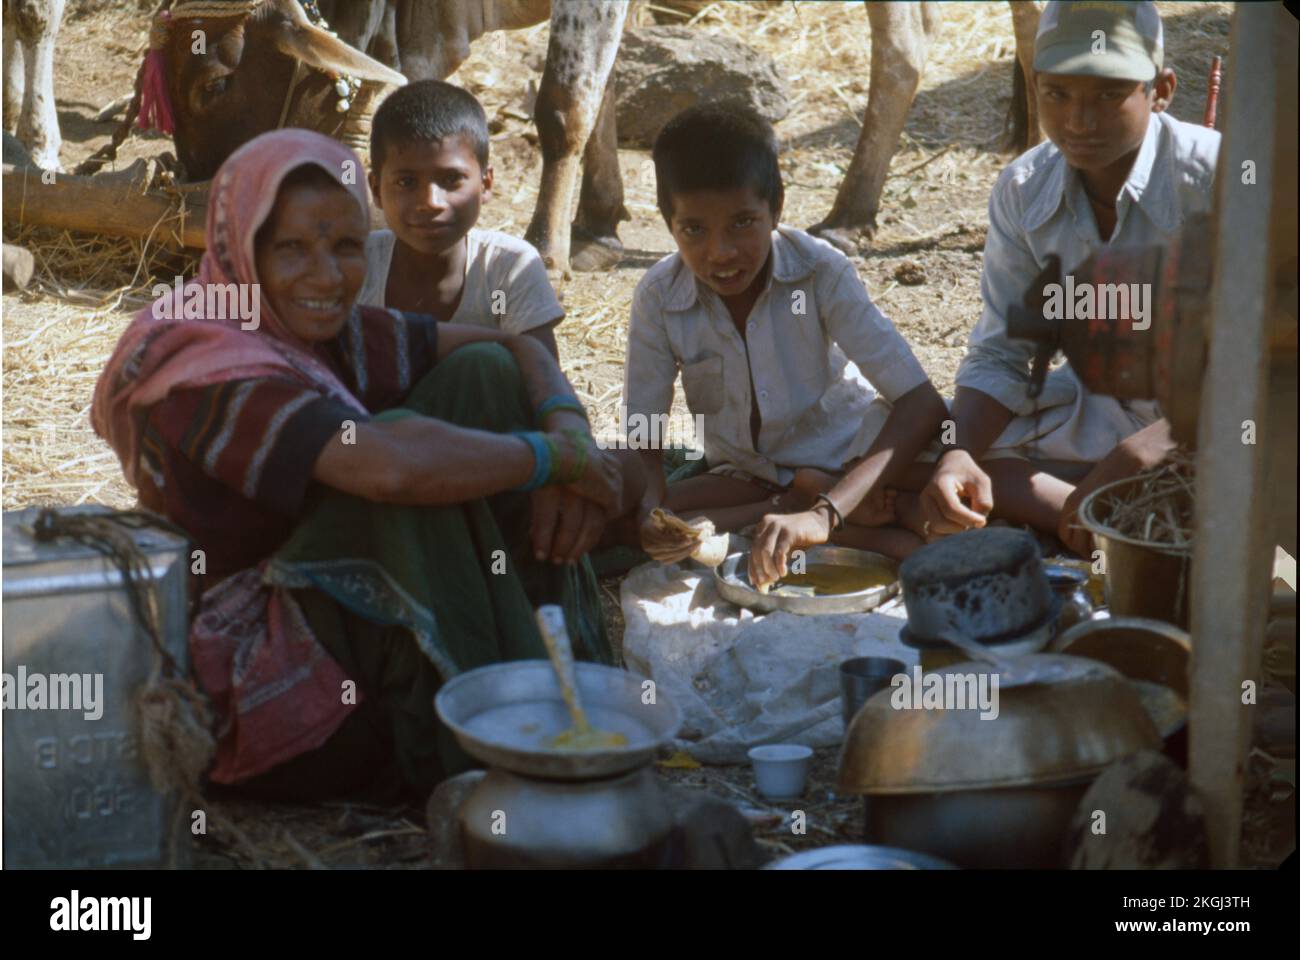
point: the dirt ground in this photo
(922, 269)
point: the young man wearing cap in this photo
(1116, 169)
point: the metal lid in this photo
(850, 856)
(1067, 727)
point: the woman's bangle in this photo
(540, 444)
(579, 441)
(835, 517)
(561, 401)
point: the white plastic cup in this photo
(781, 769)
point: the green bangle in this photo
(579, 439)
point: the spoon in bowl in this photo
(582, 735)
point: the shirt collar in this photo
(1150, 183)
(789, 264)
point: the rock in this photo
(710, 834)
(663, 70)
(910, 274)
(1153, 820)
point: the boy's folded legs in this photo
(731, 502)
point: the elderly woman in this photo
(378, 500)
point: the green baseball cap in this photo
(1122, 41)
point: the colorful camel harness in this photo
(155, 107)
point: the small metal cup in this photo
(863, 676)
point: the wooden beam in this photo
(105, 204)
(1234, 545)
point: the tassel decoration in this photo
(155, 103)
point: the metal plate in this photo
(850, 856)
(732, 581)
(502, 714)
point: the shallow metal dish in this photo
(850, 856)
(732, 581)
(502, 714)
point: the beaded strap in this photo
(195, 9)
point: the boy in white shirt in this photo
(1116, 169)
(763, 320)
(430, 175)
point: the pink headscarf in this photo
(155, 356)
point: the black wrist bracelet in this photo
(836, 518)
(952, 448)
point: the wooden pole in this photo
(105, 205)
(1255, 184)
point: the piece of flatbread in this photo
(710, 547)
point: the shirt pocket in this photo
(702, 381)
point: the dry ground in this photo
(58, 335)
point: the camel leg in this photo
(600, 204)
(1024, 21)
(38, 126)
(14, 75)
(900, 38)
(579, 58)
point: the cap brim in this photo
(1074, 59)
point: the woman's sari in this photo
(216, 426)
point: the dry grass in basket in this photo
(1157, 507)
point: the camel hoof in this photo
(590, 253)
(849, 241)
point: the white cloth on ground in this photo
(741, 679)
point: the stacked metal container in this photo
(76, 792)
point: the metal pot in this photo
(1142, 579)
(987, 585)
(1071, 585)
(1000, 791)
(939, 653)
(513, 821)
(1046, 732)
(1015, 828)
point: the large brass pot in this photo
(995, 792)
